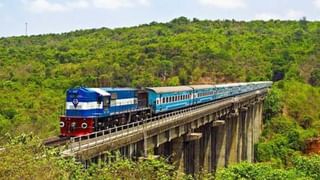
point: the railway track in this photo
(56, 141)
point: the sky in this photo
(56, 16)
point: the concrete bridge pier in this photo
(232, 127)
(219, 137)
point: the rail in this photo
(100, 137)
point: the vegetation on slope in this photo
(24, 157)
(35, 71)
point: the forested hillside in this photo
(35, 71)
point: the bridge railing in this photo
(123, 130)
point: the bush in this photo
(309, 165)
(257, 171)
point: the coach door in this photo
(142, 99)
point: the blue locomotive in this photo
(94, 109)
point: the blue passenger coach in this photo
(162, 99)
(203, 93)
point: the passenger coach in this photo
(162, 99)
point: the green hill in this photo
(35, 71)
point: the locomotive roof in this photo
(99, 91)
(170, 89)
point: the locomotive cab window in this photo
(106, 102)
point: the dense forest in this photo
(35, 72)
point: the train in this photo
(94, 109)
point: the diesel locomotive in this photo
(93, 109)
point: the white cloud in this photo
(288, 15)
(115, 4)
(44, 6)
(112, 4)
(316, 3)
(144, 2)
(41, 6)
(226, 4)
(77, 4)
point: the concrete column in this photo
(256, 124)
(218, 146)
(249, 122)
(178, 155)
(243, 132)
(260, 120)
(205, 149)
(240, 126)
(192, 152)
(196, 157)
(228, 129)
(145, 144)
(233, 157)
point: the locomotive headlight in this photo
(84, 125)
(61, 124)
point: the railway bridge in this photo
(204, 137)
